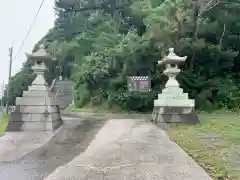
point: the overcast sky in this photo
(15, 18)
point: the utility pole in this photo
(2, 95)
(9, 77)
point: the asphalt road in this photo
(73, 138)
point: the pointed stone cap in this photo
(41, 54)
(39, 81)
(172, 58)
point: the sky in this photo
(16, 17)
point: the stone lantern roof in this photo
(172, 58)
(41, 54)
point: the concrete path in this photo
(127, 149)
(92, 150)
(33, 156)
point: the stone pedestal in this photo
(37, 109)
(174, 115)
(174, 108)
(173, 105)
(35, 112)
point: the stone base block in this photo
(35, 117)
(174, 102)
(33, 126)
(174, 115)
(35, 101)
(44, 121)
(36, 93)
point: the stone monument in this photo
(173, 105)
(37, 109)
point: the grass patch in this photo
(213, 144)
(4, 123)
(103, 108)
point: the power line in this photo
(29, 31)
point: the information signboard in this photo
(139, 83)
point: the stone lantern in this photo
(37, 109)
(39, 59)
(173, 105)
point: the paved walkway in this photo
(132, 150)
(91, 150)
(33, 156)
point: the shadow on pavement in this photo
(70, 141)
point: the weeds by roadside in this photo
(212, 144)
(4, 122)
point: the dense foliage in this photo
(99, 43)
